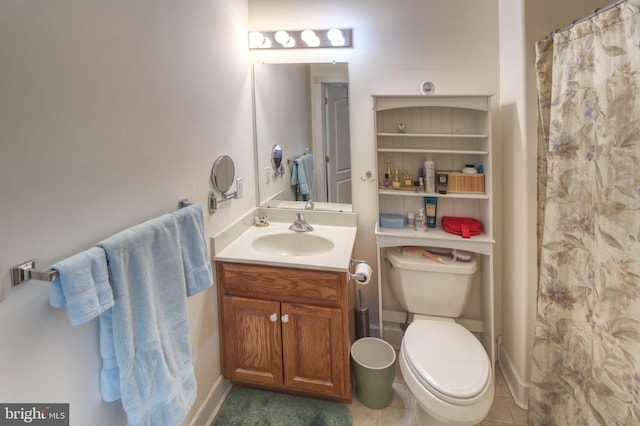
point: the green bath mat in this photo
(253, 407)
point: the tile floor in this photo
(400, 411)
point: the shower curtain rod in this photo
(591, 15)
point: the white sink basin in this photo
(328, 247)
(293, 244)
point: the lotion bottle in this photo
(430, 175)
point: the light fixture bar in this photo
(303, 39)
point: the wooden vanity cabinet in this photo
(285, 329)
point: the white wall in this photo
(522, 23)
(110, 112)
(397, 45)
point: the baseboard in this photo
(519, 388)
(212, 403)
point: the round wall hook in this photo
(368, 176)
(427, 88)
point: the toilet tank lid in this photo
(413, 260)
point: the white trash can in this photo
(374, 367)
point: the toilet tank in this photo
(424, 286)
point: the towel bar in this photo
(27, 271)
(184, 203)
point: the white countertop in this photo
(235, 243)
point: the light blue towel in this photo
(302, 176)
(144, 338)
(195, 249)
(82, 286)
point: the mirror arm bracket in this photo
(213, 201)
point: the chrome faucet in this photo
(300, 224)
(309, 205)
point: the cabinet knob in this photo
(273, 317)
(285, 318)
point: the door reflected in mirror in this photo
(304, 110)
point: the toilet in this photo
(444, 365)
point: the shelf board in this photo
(433, 151)
(407, 193)
(435, 135)
(434, 237)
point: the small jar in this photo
(469, 169)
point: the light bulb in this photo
(308, 36)
(255, 38)
(282, 37)
(314, 43)
(266, 43)
(285, 39)
(335, 37)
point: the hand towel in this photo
(302, 175)
(195, 249)
(144, 338)
(82, 286)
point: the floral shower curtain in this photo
(586, 356)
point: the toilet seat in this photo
(447, 360)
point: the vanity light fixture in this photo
(334, 37)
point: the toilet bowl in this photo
(444, 365)
(448, 372)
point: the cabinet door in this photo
(314, 342)
(252, 340)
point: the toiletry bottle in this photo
(443, 182)
(431, 204)
(430, 175)
(387, 174)
(420, 221)
(411, 219)
(407, 182)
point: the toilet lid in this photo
(447, 359)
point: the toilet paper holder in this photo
(357, 277)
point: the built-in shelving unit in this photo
(454, 131)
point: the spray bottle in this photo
(430, 175)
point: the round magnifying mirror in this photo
(223, 173)
(276, 157)
(276, 160)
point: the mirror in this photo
(223, 174)
(276, 160)
(291, 114)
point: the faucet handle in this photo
(299, 217)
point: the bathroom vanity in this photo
(285, 328)
(286, 318)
